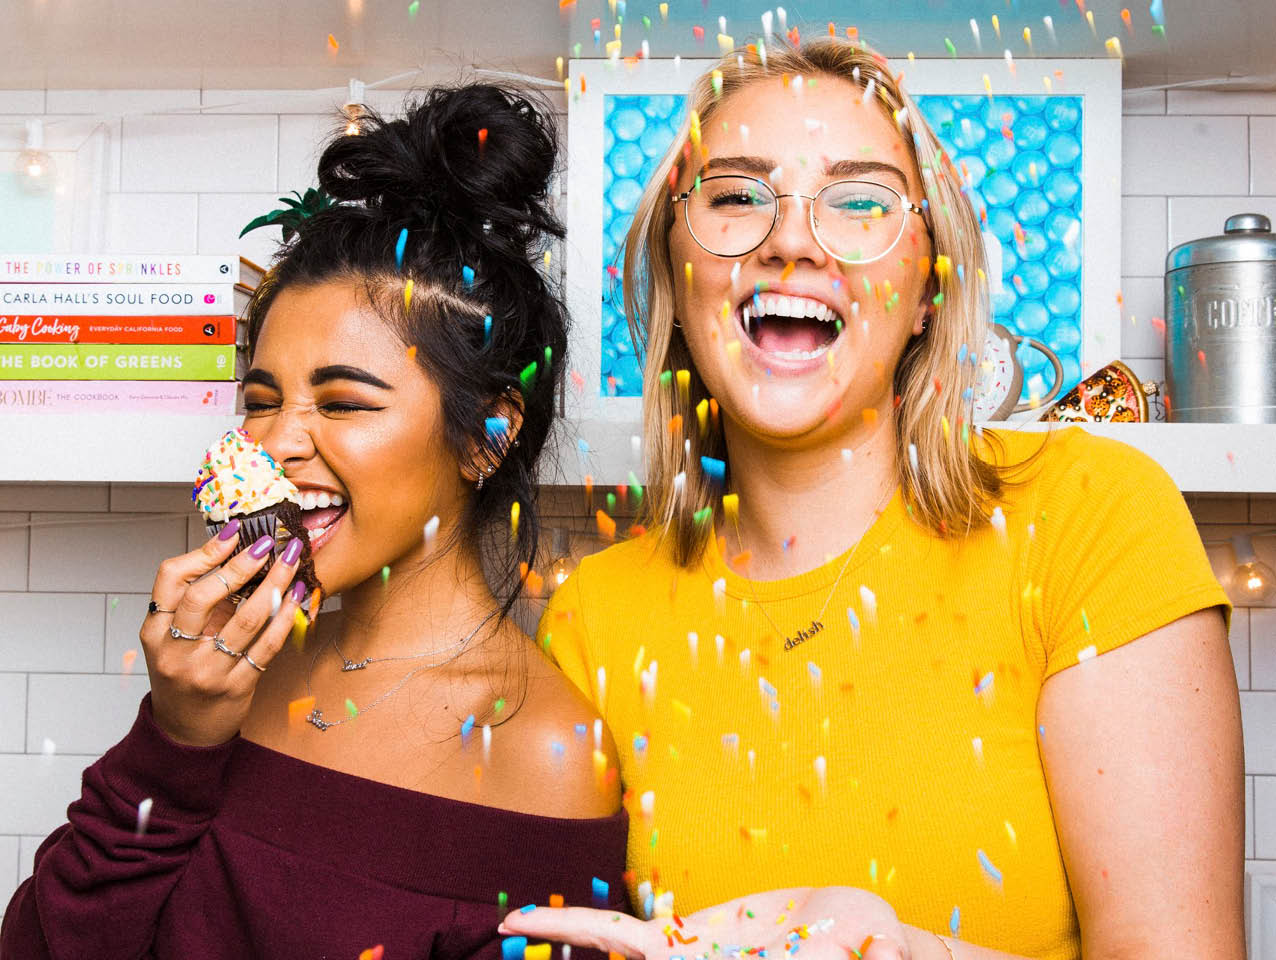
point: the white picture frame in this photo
(596, 437)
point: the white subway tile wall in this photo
(74, 586)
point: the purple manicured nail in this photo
(262, 547)
(228, 531)
(298, 591)
(292, 551)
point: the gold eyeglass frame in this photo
(909, 207)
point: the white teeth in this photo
(337, 500)
(306, 500)
(317, 532)
(777, 306)
(323, 499)
(801, 354)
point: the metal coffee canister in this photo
(1220, 301)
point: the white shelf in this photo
(1196, 455)
(148, 448)
(106, 447)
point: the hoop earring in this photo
(482, 476)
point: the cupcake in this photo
(240, 480)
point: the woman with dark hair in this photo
(405, 357)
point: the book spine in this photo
(127, 299)
(52, 268)
(115, 396)
(51, 328)
(74, 361)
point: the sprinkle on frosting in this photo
(239, 477)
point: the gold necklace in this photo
(817, 623)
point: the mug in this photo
(1001, 376)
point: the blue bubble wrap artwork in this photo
(1021, 156)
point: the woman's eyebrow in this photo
(341, 371)
(758, 166)
(261, 377)
(857, 168)
(762, 167)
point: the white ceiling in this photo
(283, 44)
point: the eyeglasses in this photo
(853, 221)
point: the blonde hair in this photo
(949, 485)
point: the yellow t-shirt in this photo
(890, 743)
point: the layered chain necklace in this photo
(315, 718)
(817, 622)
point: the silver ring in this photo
(253, 663)
(218, 575)
(154, 607)
(178, 635)
(220, 644)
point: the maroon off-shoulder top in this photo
(252, 853)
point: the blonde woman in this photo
(978, 682)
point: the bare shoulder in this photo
(557, 747)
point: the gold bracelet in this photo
(951, 955)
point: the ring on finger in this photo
(218, 575)
(220, 644)
(153, 607)
(253, 663)
(179, 635)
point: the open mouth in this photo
(792, 328)
(321, 514)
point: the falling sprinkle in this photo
(869, 602)
(413, 8)
(299, 709)
(467, 276)
(431, 530)
(143, 816)
(385, 574)
(332, 43)
(515, 509)
(606, 525)
(1086, 654)
(854, 622)
(127, 661)
(714, 469)
(497, 427)
(954, 921)
(399, 247)
(998, 521)
(407, 295)
(351, 710)
(993, 873)
(985, 683)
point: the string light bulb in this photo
(562, 565)
(353, 107)
(34, 164)
(1253, 581)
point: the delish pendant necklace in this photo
(817, 622)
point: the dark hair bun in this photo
(435, 166)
